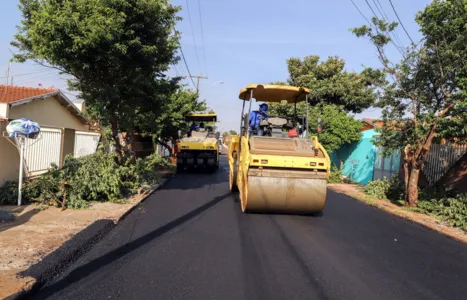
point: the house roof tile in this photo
(10, 94)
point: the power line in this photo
(385, 16)
(193, 32)
(383, 13)
(202, 37)
(361, 12)
(186, 65)
(392, 41)
(400, 21)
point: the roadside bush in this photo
(336, 175)
(392, 189)
(452, 210)
(146, 169)
(9, 193)
(95, 177)
(43, 189)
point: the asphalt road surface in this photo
(190, 240)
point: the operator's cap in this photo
(263, 106)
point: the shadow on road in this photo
(94, 265)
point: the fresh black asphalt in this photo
(190, 240)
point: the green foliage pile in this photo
(96, 177)
(444, 204)
(452, 210)
(9, 193)
(392, 189)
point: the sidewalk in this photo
(36, 233)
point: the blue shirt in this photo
(194, 127)
(255, 118)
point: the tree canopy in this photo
(425, 97)
(172, 119)
(333, 93)
(338, 128)
(115, 50)
(330, 83)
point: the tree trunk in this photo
(116, 139)
(174, 151)
(406, 176)
(412, 188)
(129, 138)
(341, 163)
(414, 166)
(165, 145)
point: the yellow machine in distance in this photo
(200, 148)
(277, 173)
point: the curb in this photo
(67, 254)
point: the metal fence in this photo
(440, 159)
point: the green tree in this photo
(333, 93)
(426, 95)
(172, 119)
(338, 128)
(330, 83)
(115, 50)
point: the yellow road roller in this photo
(273, 170)
(199, 148)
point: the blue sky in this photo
(245, 41)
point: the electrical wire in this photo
(392, 40)
(400, 21)
(186, 65)
(193, 34)
(385, 17)
(202, 37)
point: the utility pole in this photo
(197, 82)
(8, 74)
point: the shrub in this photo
(43, 189)
(452, 210)
(336, 175)
(9, 193)
(392, 190)
(146, 169)
(95, 177)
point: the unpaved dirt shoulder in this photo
(427, 221)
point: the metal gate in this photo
(40, 153)
(86, 143)
(386, 166)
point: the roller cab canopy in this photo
(274, 93)
(201, 118)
